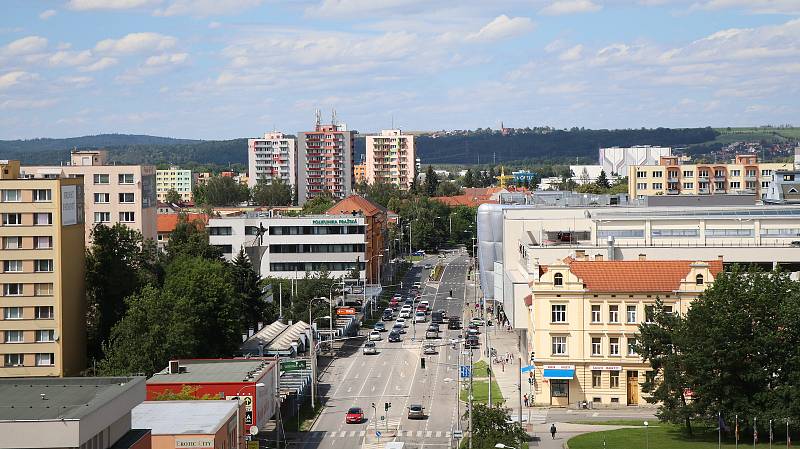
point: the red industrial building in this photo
(253, 380)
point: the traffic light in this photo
(422, 362)
(533, 354)
(530, 380)
(387, 406)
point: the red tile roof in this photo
(168, 222)
(635, 275)
(357, 203)
(464, 200)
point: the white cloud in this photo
(350, 7)
(86, 5)
(502, 27)
(25, 46)
(13, 78)
(202, 8)
(166, 59)
(136, 43)
(560, 7)
(100, 64)
(70, 58)
(572, 54)
(214, 25)
(48, 13)
(76, 81)
(562, 88)
(27, 103)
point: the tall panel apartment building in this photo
(114, 193)
(272, 157)
(391, 158)
(325, 162)
(175, 179)
(42, 301)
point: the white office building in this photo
(287, 247)
(513, 241)
(272, 157)
(616, 160)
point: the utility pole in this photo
(519, 373)
(471, 432)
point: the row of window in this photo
(39, 289)
(124, 198)
(39, 266)
(39, 219)
(315, 230)
(558, 312)
(709, 232)
(320, 248)
(39, 242)
(41, 336)
(41, 359)
(40, 313)
(559, 346)
(720, 185)
(122, 178)
(315, 266)
(105, 217)
(15, 195)
(703, 173)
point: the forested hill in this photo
(553, 146)
(463, 148)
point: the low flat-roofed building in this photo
(192, 424)
(77, 412)
(251, 379)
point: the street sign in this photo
(458, 434)
(466, 371)
(526, 368)
(378, 433)
(345, 311)
(292, 365)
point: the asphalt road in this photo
(394, 375)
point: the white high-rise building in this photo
(391, 158)
(616, 160)
(272, 157)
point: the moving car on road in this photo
(379, 326)
(428, 266)
(394, 336)
(472, 342)
(370, 348)
(429, 350)
(432, 332)
(416, 411)
(398, 328)
(375, 336)
(454, 323)
(355, 415)
(420, 317)
(477, 321)
(402, 322)
(437, 317)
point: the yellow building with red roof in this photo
(583, 318)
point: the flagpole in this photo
(788, 440)
(770, 434)
(719, 429)
(755, 432)
(736, 432)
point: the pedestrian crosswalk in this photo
(400, 433)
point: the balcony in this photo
(703, 191)
(673, 179)
(673, 192)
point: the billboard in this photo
(69, 205)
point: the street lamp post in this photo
(646, 435)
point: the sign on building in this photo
(182, 443)
(69, 205)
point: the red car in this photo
(354, 416)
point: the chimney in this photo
(580, 254)
(598, 257)
(720, 257)
(611, 247)
(642, 256)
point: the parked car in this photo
(429, 350)
(394, 336)
(379, 326)
(355, 415)
(375, 336)
(416, 411)
(370, 348)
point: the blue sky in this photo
(236, 68)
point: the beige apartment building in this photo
(744, 176)
(391, 158)
(42, 301)
(583, 318)
(175, 179)
(113, 193)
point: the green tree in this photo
(118, 264)
(190, 238)
(173, 197)
(469, 178)
(382, 193)
(247, 283)
(319, 204)
(602, 180)
(275, 193)
(222, 191)
(355, 272)
(620, 185)
(187, 393)
(431, 181)
(447, 188)
(492, 425)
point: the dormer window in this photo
(698, 279)
(558, 279)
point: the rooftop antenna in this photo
(333, 117)
(392, 121)
(318, 116)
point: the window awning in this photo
(559, 374)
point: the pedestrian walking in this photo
(525, 399)
(503, 365)
(553, 430)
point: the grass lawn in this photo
(414, 258)
(479, 369)
(306, 418)
(614, 422)
(480, 392)
(662, 436)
